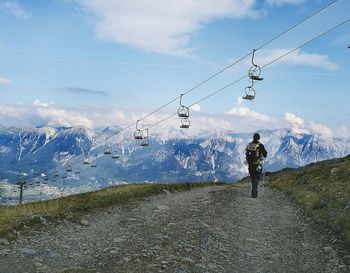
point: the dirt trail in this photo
(212, 229)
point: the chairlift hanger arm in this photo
(253, 55)
(106, 142)
(181, 100)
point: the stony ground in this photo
(212, 229)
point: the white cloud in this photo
(239, 119)
(343, 131)
(196, 108)
(5, 81)
(297, 57)
(9, 112)
(42, 104)
(244, 119)
(294, 119)
(320, 129)
(243, 111)
(15, 8)
(284, 2)
(297, 123)
(41, 114)
(60, 117)
(160, 26)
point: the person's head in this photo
(256, 137)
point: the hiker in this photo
(255, 152)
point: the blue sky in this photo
(95, 63)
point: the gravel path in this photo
(212, 229)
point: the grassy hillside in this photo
(323, 189)
(73, 206)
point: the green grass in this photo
(323, 189)
(75, 205)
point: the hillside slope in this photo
(323, 189)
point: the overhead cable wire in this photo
(297, 24)
(230, 65)
(265, 65)
(245, 76)
(309, 41)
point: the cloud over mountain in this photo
(238, 118)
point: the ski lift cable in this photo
(232, 64)
(245, 76)
(297, 24)
(202, 99)
(309, 41)
(275, 60)
(265, 65)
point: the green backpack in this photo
(253, 153)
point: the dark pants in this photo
(255, 177)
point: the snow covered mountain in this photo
(207, 157)
(35, 150)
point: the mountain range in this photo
(32, 153)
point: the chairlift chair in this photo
(145, 140)
(115, 156)
(138, 133)
(107, 149)
(69, 168)
(249, 93)
(46, 180)
(94, 163)
(77, 170)
(86, 161)
(183, 111)
(255, 70)
(185, 123)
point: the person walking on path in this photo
(255, 152)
